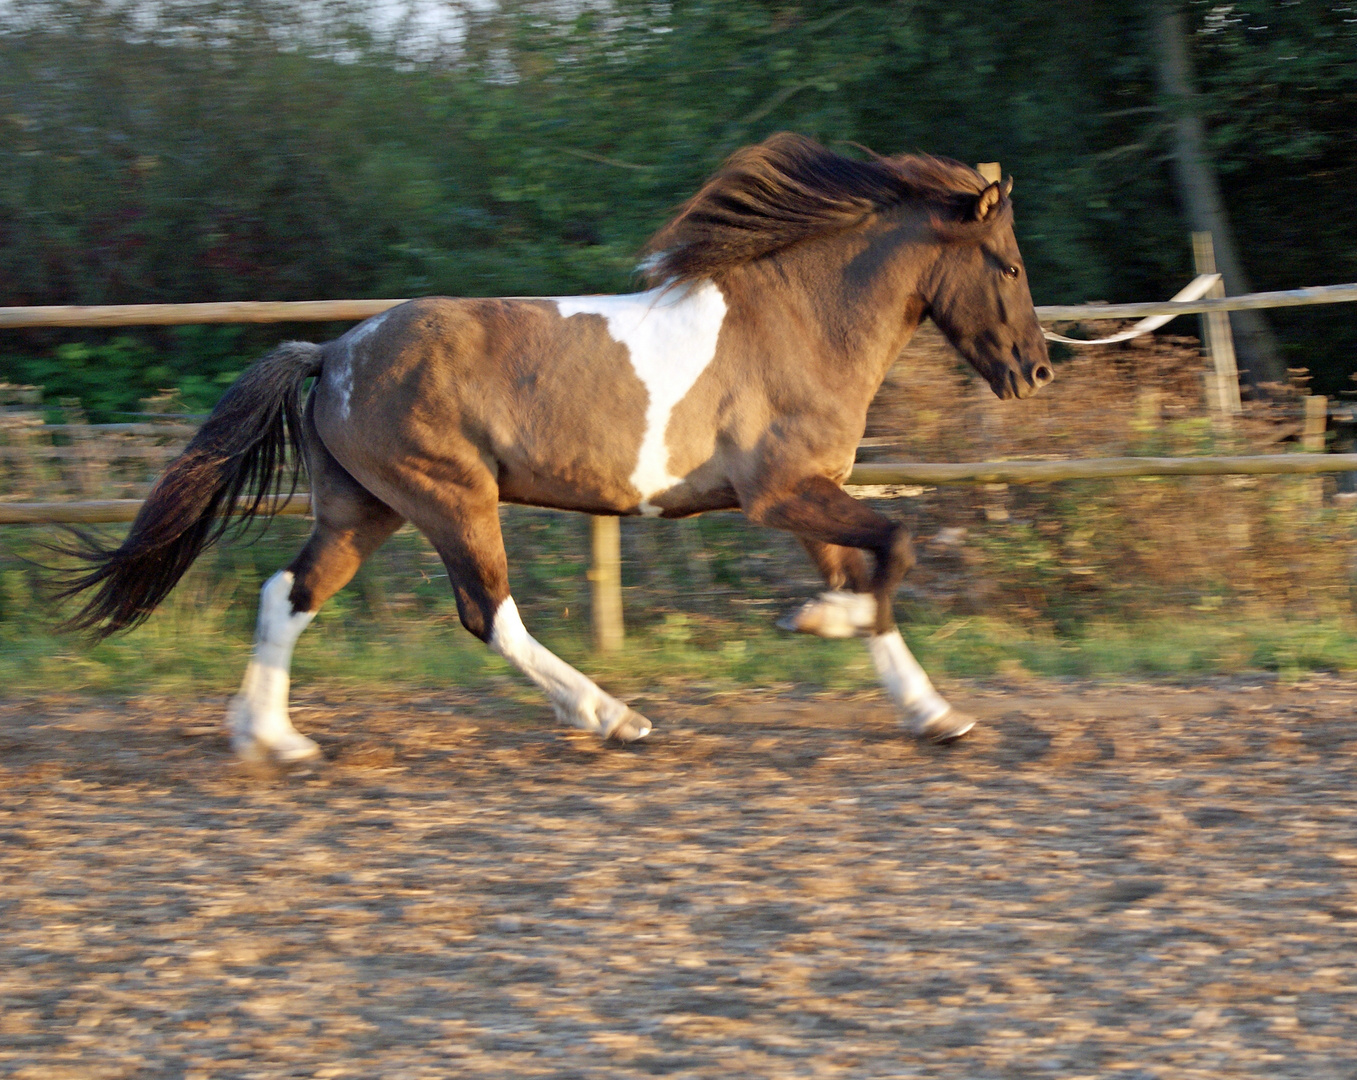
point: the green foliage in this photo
(225, 149)
(1282, 83)
(112, 376)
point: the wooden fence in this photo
(606, 570)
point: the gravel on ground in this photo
(1129, 880)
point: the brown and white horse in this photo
(783, 291)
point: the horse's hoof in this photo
(289, 751)
(249, 750)
(294, 748)
(946, 728)
(631, 727)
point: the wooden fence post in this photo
(606, 577)
(1316, 423)
(1312, 433)
(1216, 331)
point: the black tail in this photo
(240, 450)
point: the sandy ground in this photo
(1133, 880)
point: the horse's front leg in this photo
(826, 518)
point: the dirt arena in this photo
(1131, 880)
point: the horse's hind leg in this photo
(466, 533)
(350, 524)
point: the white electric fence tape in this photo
(1194, 291)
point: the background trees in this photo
(216, 149)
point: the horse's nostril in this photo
(1042, 374)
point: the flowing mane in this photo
(789, 188)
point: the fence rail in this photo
(113, 511)
(110, 511)
(1044, 472)
(245, 311)
(348, 310)
(1319, 294)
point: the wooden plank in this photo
(1323, 294)
(863, 475)
(1316, 423)
(111, 511)
(352, 310)
(1042, 472)
(191, 314)
(606, 578)
(1218, 336)
(177, 431)
(91, 451)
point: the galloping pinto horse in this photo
(781, 294)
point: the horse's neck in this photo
(861, 320)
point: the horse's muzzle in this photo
(1025, 381)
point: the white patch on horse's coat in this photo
(341, 371)
(576, 699)
(364, 329)
(257, 716)
(670, 335)
(905, 681)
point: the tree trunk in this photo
(1200, 194)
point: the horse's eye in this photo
(1011, 271)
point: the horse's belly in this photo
(575, 486)
(592, 491)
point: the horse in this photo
(777, 298)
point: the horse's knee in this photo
(324, 566)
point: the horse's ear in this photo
(987, 200)
(1008, 186)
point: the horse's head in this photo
(978, 296)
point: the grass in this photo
(1202, 643)
(690, 620)
(203, 652)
